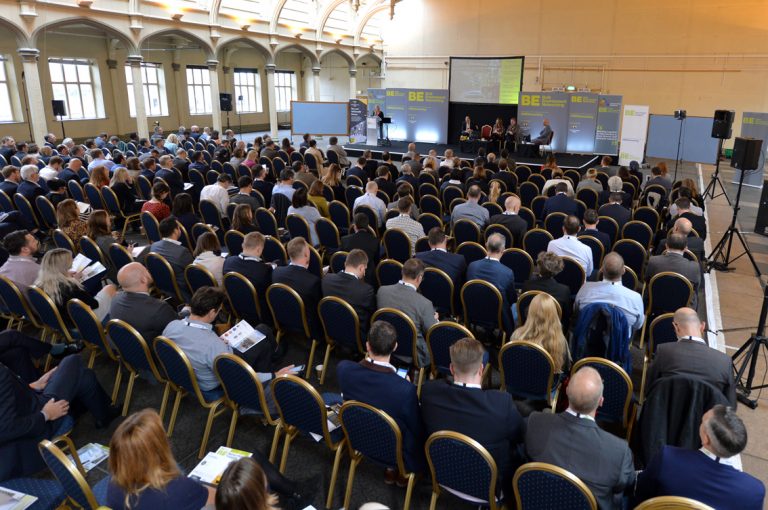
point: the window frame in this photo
(283, 103)
(68, 86)
(249, 96)
(198, 91)
(6, 90)
(147, 87)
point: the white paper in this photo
(136, 251)
(188, 186)
(83, 207)
(79, 263)
(210, 469)
(93, 270)
(14, 500)
(91, 455)
(242, 336)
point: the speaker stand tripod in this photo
(711, 190)
(63, 133)
(751, 351)
(723, 248)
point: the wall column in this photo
(142, 129)
(36, 115)
(213, 65)
(316, 84)
(352, 83)
(116, 93)
(271, 99)
(177, 86)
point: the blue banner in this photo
(582, 122)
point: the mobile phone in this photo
(297, 369)
(402, 372)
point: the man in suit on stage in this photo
(297, 276)
(492, 270)
(516, 225)
(544, 134)
(350, 286)
(374, 381)
(453, 264)
(259, 272)
(691, 356)
(487, 416)
(362, 238)
(573, 441)
(177, 255)
(560, 202)
(707, 475)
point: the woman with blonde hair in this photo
(244, 485)
(208, 254)
(542, 327)
(318, 199)
(99, 176)
(68, 220)
(495, 191)
(122, 185)
(62, 285)
(332, 177)
(172, 143)
(145, 476)
(251, 159)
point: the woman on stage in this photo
(378, 113)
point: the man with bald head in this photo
(673, 260)
(135, 306)
(573, 441)
(516, 225)
(691, 356)
(610, 290)
(371, 200)
(694, 242)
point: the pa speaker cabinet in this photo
(746, 153)
(59, 108)
(225, 102)
(761, 223)
(722, 123)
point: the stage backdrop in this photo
(754, 125)
(534, 107)
(582, 122)
(608, 124)
(418, 115)
(358, 114)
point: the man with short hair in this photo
(544, 134)
(269, 150)
(471, 209)
(590, 182)
(181, 163)
(384, 180)
(297, 276)
(171, 176)
(333, 145)
(305, 143)
(8, 148)
(560, 202)
(245, 194)
(708, 475)
(359, 170)
(362, 238)
(691, 356)
(350, 286)
(285, 186)
(177, 255)
(256, 270)
(412, 228)
(148, 170)
(11, 180)
(615, 210)
(374, 381)
(196, 337)
(370, 199)
(516, 225)
(658, 178)
(30, 186)
(673, 259)
(260, 183)
(605, 166)
(490, 417)
(572, 440)
(591, 219)
(681, 226)
(698, 222)
(493, 271)
(403, 190)
(569, 245)
(404, 296)
(408, 175)
(135, 306)
(21, 267)
(453, 264)
(52, 169)
(99, 159)
(610, 290)
(218, 193)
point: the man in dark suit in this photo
(383, 180)
(489, 417)
(181, 163)
(177, 255)
(249, 264)
(8, 148)
(134, 305)
(590, 229)
(691, 356)
(492, 270)
(573, 441)
(614, 209)
(359, 170)
(706, 475)
(548, 265)
(561, 202)
(453, 264)
(658, 179)
(170, 175)
(11, 180)
(350, 286)
(31, 186)
(516, 225)
(35, 411)
(374, 381)
(363, 239)
(695, 243)
(297, 276)
(149, 169)
(260, 185)
(684, 211)
(673, 260)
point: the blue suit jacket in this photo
(503, 278)
(691, 474)
(453, 264)
(173, 180)
(31, 191)
(384, 389)
(560, 203)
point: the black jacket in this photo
(357, 293)
(369, 244)
(147, 314)
(259, 273)
(557, 290)
(307, 285)
(516, 225)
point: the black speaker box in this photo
(225, 101)
(722, 123)
(746, 153)
(59, 108)
(761, 223)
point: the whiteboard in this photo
(318, 118)
(696, 142)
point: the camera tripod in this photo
(747, 355)
(715, 181)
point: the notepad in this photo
(91, 455)
(242, 336)
(83, 207)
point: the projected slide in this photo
(486, 80)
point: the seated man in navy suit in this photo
(438, 256)
(170, 175)
(374, 381)
(492, 270)
(296, 275)
(561, 202)
(708, 474)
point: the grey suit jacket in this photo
(414, 305)
(694, 359)
(178, 256)
(147, 314)
(677, 264)
(600, 459)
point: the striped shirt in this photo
(413, 229)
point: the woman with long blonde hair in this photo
(495, 191)
(543, 327)
(99, 176)
(144, 473)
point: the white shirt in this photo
(627, 300)
(217, 195)
(374, 203)
(570, 246)
(48, 173)
(579, 415)
(382, 364)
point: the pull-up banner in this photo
(608, 124)
(754, 125)
(634, 132)
(582, 122)
(534, 107)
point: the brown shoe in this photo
(390, 476)
(401, 481)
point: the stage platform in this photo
(565, 161)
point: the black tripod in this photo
(750, 351)
(679, 115)
(723, 248)
(715, 182)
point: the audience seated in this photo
(358, 170)
(361, 237)
(516, 225)
(453, 264)
(333, 145)
(492, 270)
(245, 485)
(590, 229)
(218, 193)
(175, 253)
(615, 210)
(657, 178)
(156, 204)
(560, 202)
(31, 186)
(684, 211)
(69, 221)
(589, 181)
(548, 265)
(370, 199)
(135, 306)
(208, 254)
(249, 264)
(569, 245)
(183, 211)
(21, 267)
(296, 275)
(412, 228)
(404, 190)
(672, 260)
(709, 474)
(542, 327)
(573, 441)
(301, 206)
(490, 417)
(557, 178)
(471, 209)
(11, 179)
(694, 243)
(350, 286)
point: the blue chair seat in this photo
(100, 490)
(49, 493)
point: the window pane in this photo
(73, 101)
(56, 74)
(154, 100)
(152, 75)
(128, 75)
(70, 72)
(2, 69)
(6, 113)
(84, 73)
(59, 92)
(89, 104)
(131, 102)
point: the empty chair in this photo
(536, 241)
(553, 224)
(527, 371)
(341, 326)
(267, 222)
(274, 251)
(339, 215)
(638, 231)
(609, 226)
(163, 276)
(397, 245)
(471, 252)
(482, 305)
(234, 241)
(633, 253)
(431, 204)
(388, 272)
(519, 262)
(46, 211)
(328, 234)
(151, 227)
(198, 276)
(438, 287)
(71, 475)
(62, 240)
(440, 337)
(290, 316)
(572, 275)
(538, 485)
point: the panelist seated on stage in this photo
(544, 134)
(468, 128)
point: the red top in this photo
(160, 210)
